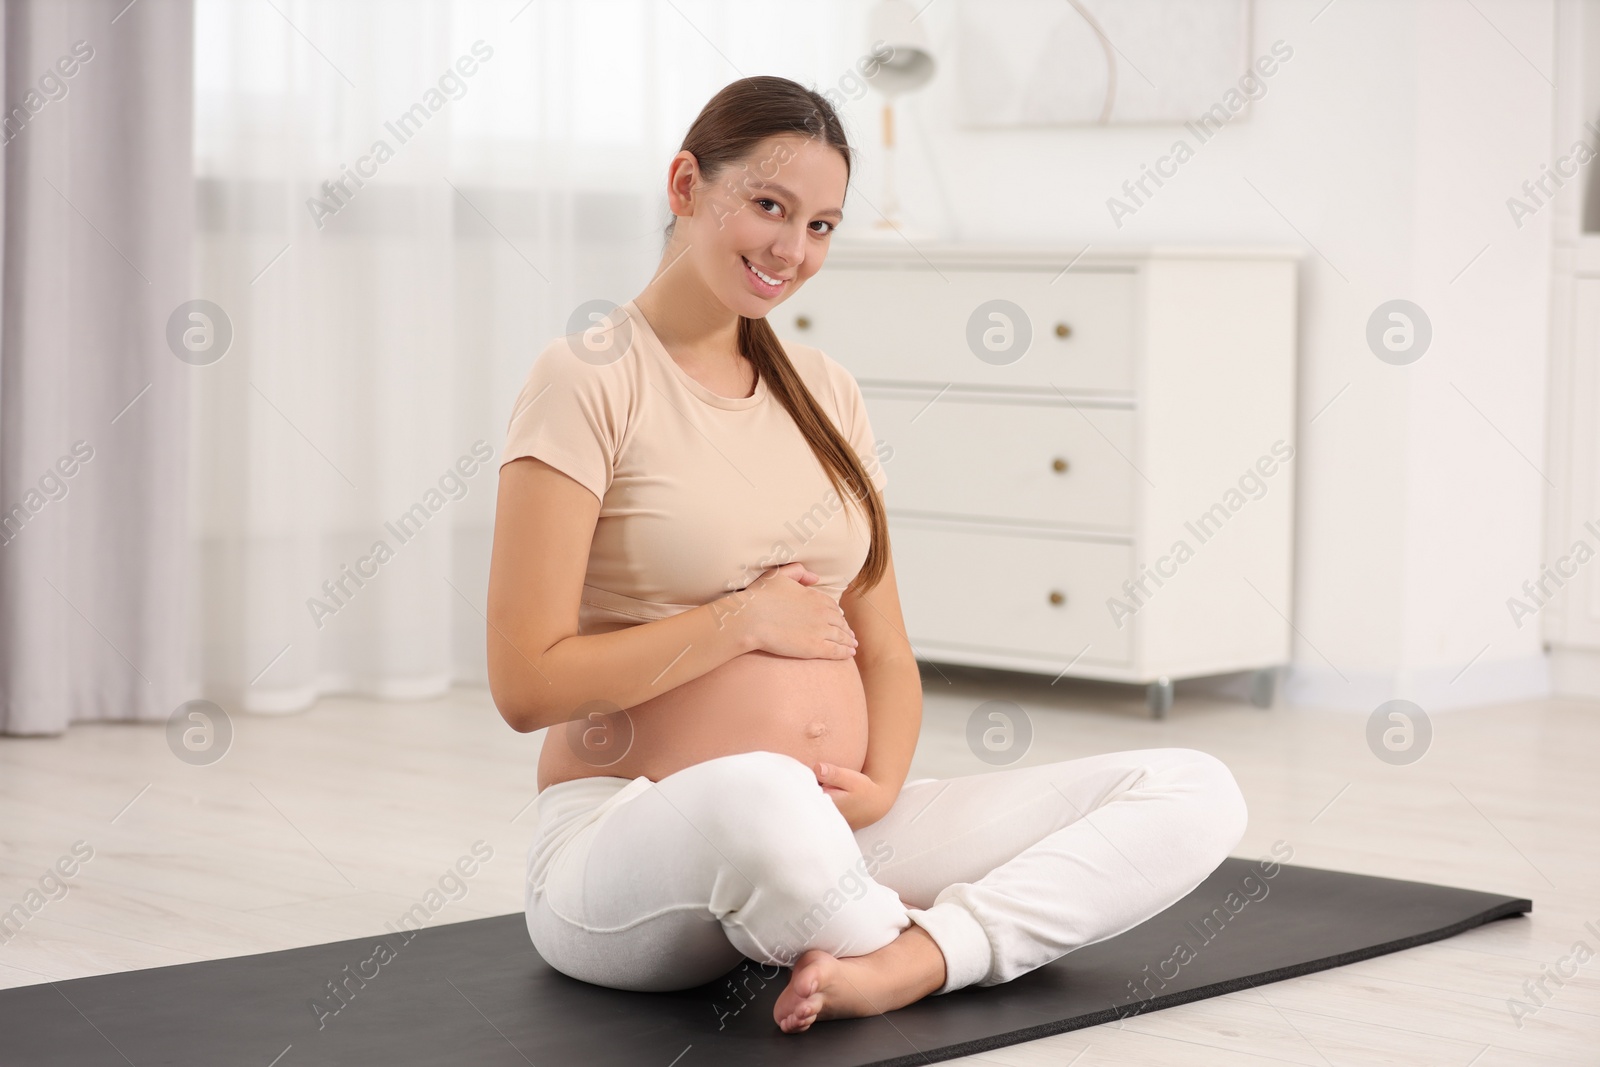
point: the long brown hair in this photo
(733, 122)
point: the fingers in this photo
(839, 644)
(849, 634)
(849, 642)
(801, 573)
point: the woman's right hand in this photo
(787, 618)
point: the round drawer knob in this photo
(1057, 597)
(1063, 330)
(1058, 465)
(802, 322)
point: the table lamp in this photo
(910, 67)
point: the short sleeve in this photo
(569, 414)
(857, 426)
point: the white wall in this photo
(1389, 141)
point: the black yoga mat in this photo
(477, 992)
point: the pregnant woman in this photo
(692, 589)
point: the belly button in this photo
(816, 729)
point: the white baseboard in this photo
(1432, 689)
(1575, 672)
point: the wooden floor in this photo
(329, 824)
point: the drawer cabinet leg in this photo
(1262, 685)
(1159, 696)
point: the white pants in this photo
(666, 885)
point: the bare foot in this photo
(832, 987)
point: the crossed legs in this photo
(744, 856)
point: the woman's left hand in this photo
(859, 799)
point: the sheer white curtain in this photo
(95, 202)
(399, 202)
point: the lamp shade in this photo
(911, 66)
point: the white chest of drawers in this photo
(1094, 478)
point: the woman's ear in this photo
(682, 174)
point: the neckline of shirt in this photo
(652, 342)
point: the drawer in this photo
(984, 590)
(925, 326)
(1049, 463)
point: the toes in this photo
(796, 1021)
(803, 1014)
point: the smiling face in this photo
(759, 228)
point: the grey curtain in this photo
(95, 239)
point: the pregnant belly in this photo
(812, 709)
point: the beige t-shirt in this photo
(698, 492)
